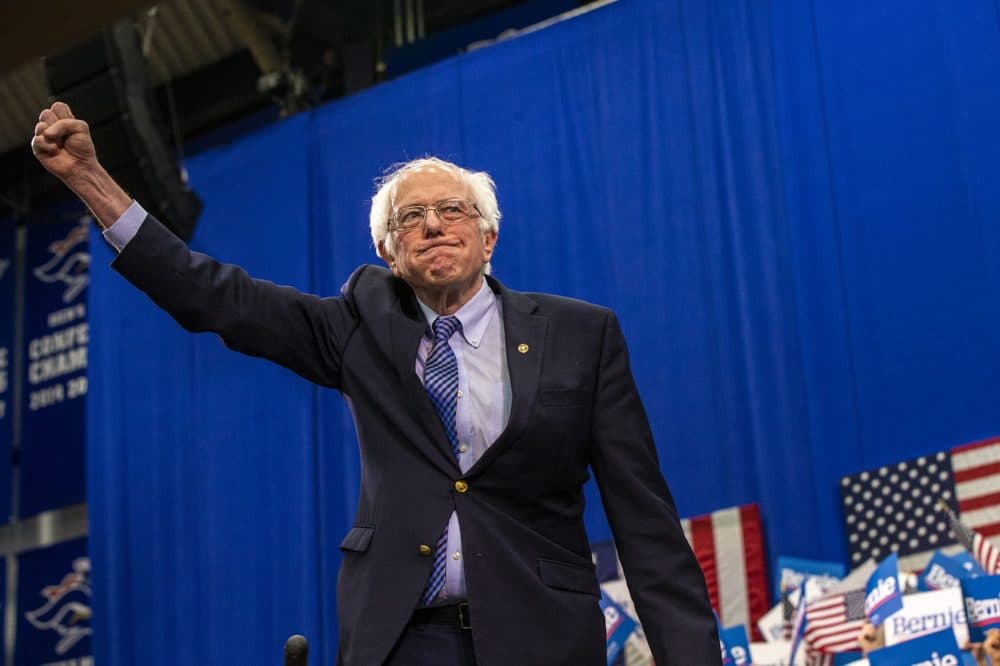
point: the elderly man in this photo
(479, 411)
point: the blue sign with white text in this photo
(883, 597)
(792, 571)
(735, 645)
(618, 624)
(982, 605)
(947, 571)
(939, 649)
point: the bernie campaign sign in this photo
(937, 649)
(928, 612)
(883, 597)
(618, 624)
(792, 571)
(982, 605)
(944, 571)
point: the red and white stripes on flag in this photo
(976, 469)
(729, 546)
(834, 622)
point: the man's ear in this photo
(389, 259)
(489, 244)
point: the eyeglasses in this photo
(449, 211)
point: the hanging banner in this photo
(53, 606)
(55, 384)
(7, 305)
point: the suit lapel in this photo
(524, 340)
(407, 326)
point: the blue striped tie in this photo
(441, 383)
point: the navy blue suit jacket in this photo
(533, 593)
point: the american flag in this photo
(977, 484)
(834, 622)
(985, 553)
(892, 508)
(729, 546)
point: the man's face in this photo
(436, 256)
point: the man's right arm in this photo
(300, 331)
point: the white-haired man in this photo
(479, 412)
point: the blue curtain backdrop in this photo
(791, 205)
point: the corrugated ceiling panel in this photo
(186, 35)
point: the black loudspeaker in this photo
(104, 81)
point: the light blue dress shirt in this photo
(484, 398)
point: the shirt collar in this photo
(474, 315)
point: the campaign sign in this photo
(927, 612)
(7, 304)
(793, 570)
(55, 383)
(936, 649)
(53, 606)
(736, 646)
(946, 571)
(982, 605)
(883, 595)
(968, 563)
(618, 624)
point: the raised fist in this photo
(62, 143)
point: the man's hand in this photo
(992, 645)
(870, 638)
(63, 145)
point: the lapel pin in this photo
(523, 348)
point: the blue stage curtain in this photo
(788, 204)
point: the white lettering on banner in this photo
(935, 660)
(59, 341)
(46, 397)
(64, 363)
(739, 655)
(51, 395)
(885, 588)
(791, 579)
(983, 609)
(939, 578)
(66, 315)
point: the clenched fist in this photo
(63, 145)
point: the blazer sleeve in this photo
(664, 579)
(303, 332)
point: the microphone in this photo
(296, 651)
